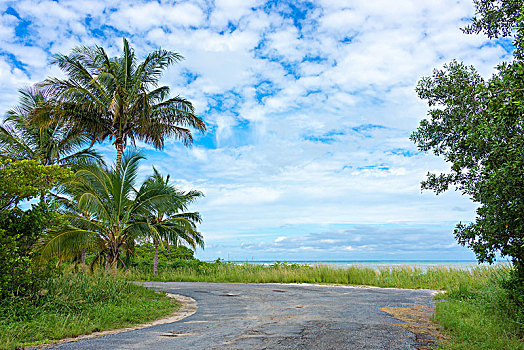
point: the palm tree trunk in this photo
(83, 257)
(155, 262)
(119, 151)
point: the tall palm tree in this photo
(109, 213)
(169, 222)
(54, 143)
(119, 98)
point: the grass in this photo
(75, 304)
(439, 277)
(481, 318)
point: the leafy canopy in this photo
(25, 179)
(478, 127)
(106, 213)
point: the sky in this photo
(309, 108)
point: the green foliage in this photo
(25, 179)
(478, 127)
(482, 316)
(13, 264)
(107, 213)
(168, 256)
(21, 231)
(49, 142)
(78, 303)
(501, 18)
(439, 277)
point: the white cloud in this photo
(290, 102)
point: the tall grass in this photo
(438, 277)
(77, 303)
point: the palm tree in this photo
(119, 99)
(21, 138)
(108, 215)
(170, 222)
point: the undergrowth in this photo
(77, 303)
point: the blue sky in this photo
(309, 107)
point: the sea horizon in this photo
(374, 263)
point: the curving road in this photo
(275, 316)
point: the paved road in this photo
(273, 316)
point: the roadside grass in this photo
(480, 318)
(438, 277)
(78, 303)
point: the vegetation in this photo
(26, 179)
(119, 98)
(502, 18)
(441, 277)
(485, 317)
(172, 223)
(77, 303)
(109, 213)
(477, 126)
(47, 144)
(90, 208)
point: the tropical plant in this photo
(49, 144)
(119, 99)
(169, 222)
(108, 214)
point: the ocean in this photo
(459, 264)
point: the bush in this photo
(513, 285)
(21, 230)
(168, 257)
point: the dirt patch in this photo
(417, 320)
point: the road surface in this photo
(275, 316)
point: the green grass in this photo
(480, 318)
(439, 277)
(75, 304)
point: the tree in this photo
(500, 18)
(478, 127)
(109, 214)
(21, 230)
(52, 143)
(119, 98)
(169, 222)
(26, 179)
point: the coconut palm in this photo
(119, 98)
(169, 222)
(109, 213)
(20, 138)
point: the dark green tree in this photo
(169, 221)
(500, 18)
(477, 125)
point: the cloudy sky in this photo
(309, 107)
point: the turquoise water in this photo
(462, 264)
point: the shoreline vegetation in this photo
(472, 310)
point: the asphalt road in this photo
(273, 316)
